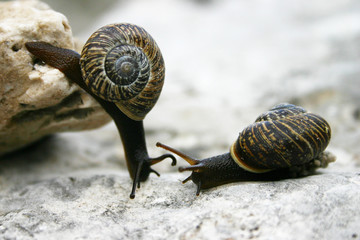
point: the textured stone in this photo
(37, 100)
(96, 206)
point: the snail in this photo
(122, 68)
(284, 142)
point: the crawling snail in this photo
(284, 142)
(122, 67)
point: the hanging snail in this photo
(121, 66)
(284, 142)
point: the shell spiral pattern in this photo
(285, 136)
(122, 63)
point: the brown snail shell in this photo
(284, 136)
(122, 63)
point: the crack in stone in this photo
(72, 100)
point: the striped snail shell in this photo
(121, 63)
(286, 135)
(284, 142)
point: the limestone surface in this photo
(37, 100)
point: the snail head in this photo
(205, 172)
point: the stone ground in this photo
(227, 62)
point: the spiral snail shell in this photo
(282, 142)
(121, 67)
(284, 136)
(122, 63)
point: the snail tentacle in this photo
(154, 171)
(186, 179)
(187, 158)
(198, 188)
(156, 160)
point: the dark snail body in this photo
(122, 68)
(283, 142)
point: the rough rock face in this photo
(37, 100)
(70, 208)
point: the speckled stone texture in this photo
(36, 100)
(226, 63)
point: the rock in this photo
(37, 100)
(96, 206)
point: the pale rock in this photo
(35, 99)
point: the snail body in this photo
(284, 142)
(122, 68)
